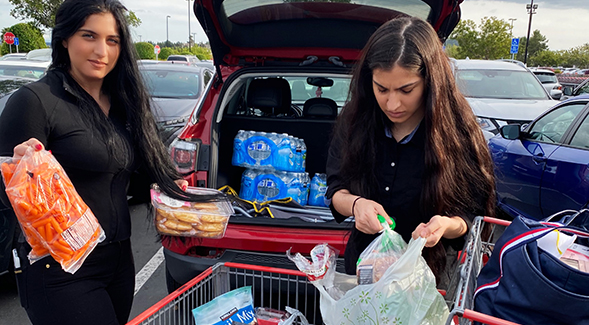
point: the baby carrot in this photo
(48, 233)
(56, 226)
(40, 223)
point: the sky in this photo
(563, 22)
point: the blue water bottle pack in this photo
(318, 189)
(267, 184)
(262, 150)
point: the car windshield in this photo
(22, 71)
(546, 78)
(503, 84)
(177, 58)
(301, 90)
(172, 84)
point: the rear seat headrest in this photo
(320, 107)
(271, 96)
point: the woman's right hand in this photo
(365, 213)
(21, 149)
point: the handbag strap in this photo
(523, 239)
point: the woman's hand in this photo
(365, 212)
(182, 183)
(438, 227)
(21, 149)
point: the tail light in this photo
(184, 155)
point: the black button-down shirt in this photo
(399, 171)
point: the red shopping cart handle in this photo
(496, 221)
(485, 319)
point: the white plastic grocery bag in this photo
(406, 294)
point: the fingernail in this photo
(38, 146)
(184, 187)
(50, 151)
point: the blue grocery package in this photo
(264, 150)
(235, 305)
(265, 185)
(318, 189)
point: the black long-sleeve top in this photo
(399, 170)
(48, 111)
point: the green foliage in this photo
(42, 12)
(145, 50)
(29, 38)
(489, 40)
(545, 58)
(203, 53)
(165, 52)
(537, 44)
(577, 57)
(452, 51)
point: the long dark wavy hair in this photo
(126, 88)
(458, 166)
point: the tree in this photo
(538, 43)
(545, 58)
(202, 53)
(42, 12)
(165, 52)
(29, 38)
(490, 40)
(576, 57)
(145, 50)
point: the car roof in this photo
(580, 97)
(542, 71)
(467, 64)
(26, 63)
(168, 66)
(295, 30)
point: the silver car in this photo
(549, 81)
(501, 93)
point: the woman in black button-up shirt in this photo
(407, 146)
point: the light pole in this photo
(167, 37)
(531, 10)
(189, 25)
(511, 33)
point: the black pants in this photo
(100, 292)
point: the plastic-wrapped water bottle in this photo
(239, 151)
(284, 158)
(259, 150)
(305, 183)
(318, 189)
(246, 190)
(303, 155)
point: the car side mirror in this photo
(510, 131)
(555, 94)
(568, 91)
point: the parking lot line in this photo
(145, 273)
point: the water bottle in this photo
(303, 155)
(239, 152)
(318, 189)
(259, 150)
(299, 155)
(305, 183)
(246, 190)
(293, 186)
(281, 159)
(269, 185)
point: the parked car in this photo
(175, 90)
(24, 68)
(501, 92)
(542, 168)
(40, 55)
(582, 88)
(8, 223)
(283, 67)
(192, 60)
(13, 57)
(549, 81)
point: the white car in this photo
(501, 93)
(24, 68)
(549, 81)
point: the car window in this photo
(301, 90)
(552, 126)
(581, 137)
(504, 84)
(583, 90)
(177, 58)
(546, 78)
(22, 71)
(172, 84)
(207, 76)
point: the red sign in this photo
(9, 38)
(156, 49)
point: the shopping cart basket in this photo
(271, 287)
(477, 249)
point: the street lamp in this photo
(188, 25)
(167, 37)
(531, 10)
(511, 29)
(193, 38)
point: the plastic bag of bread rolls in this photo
(190, 219)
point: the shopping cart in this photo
(271, 287)
(477, 249)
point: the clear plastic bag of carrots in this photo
(52, 215)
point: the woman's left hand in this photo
(182, 183)
(438, 227)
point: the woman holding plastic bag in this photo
(92, 112)
(407, 146)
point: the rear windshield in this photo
(301, 90)
(172, 84)
(547, 78)
(415, 8)
(504, 84)
(177, 58)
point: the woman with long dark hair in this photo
(407, 146)
(93, 112)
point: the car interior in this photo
(267, 105)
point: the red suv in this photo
(281, 67)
